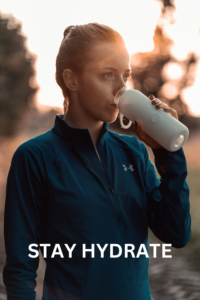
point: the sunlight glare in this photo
(191, 95)
(172, 71)
(135, 20)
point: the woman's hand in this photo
(138, 128)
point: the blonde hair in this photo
(74, 50)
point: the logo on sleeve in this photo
(130, 168)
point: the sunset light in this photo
(135, 20)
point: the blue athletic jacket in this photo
(58, 192)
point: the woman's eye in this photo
(108, 74)
(128, 76)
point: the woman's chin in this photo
(111, 119)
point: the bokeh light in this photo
(172, 71)
(169, 90)
(192, 93)
(136, 21)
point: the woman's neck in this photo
(95, 128)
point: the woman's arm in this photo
(168, 206)
(168, 197)
(22, 225)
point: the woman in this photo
(82, 188)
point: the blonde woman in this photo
(80, 188)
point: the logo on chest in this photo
(129, 168)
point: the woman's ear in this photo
(69, 80)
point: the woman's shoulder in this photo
(44, 145)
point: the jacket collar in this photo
(73, 134)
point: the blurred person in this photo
(81, 184)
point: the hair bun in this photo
(67, 30)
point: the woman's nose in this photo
(119, 86)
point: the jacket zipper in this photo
(111, 189)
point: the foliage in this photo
(16, 69)
(147, 71)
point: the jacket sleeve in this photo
(22, 225)
(168, 206)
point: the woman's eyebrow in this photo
(110, 68)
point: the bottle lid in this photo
(119, 94)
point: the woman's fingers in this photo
(172, 111)
(157, 103)
(138, 126)
(160, 105)
(151, 97)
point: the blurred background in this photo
(163, 38)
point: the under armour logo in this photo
(130, 167)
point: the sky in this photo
(44, 22)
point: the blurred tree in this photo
(16, 70)
(166, 3)
(150, 71)
(149, 76)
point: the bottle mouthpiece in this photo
(119, 94)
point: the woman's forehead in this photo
(108, 54)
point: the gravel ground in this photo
(172, 279)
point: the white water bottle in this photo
(161, 126)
